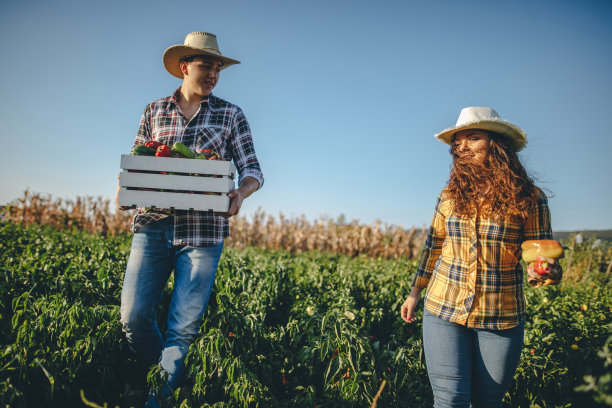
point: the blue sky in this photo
(343, 97)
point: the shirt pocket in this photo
(164, 128)
(503, 241)
(457, 241)
(213, 138)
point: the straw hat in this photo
(196, 43)
(484, 119)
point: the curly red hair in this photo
(500, 186)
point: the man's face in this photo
(202, 74)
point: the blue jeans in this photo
(469, 365)
(151, 261)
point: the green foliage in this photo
(599, 384)
(281, 330)
(565, 327)
(587, 260)
(59, 315)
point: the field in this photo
(284, 328)
(262, 230)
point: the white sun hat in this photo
(196, 43)
(484, 119)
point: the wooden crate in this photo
(196, 184)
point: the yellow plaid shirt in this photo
(471, 266)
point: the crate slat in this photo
(208, 180)
(172, 182)
(179, 201)
(175, 165)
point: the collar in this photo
(211, 100)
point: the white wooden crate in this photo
(182, 190)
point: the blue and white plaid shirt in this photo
(219, 126)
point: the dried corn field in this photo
(99, 215)
(299, 234)
(88, 214)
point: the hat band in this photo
(205, 49)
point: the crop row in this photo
(282, 329)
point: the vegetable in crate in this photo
(208, 154)
(142, 150)
(183, 150)
(154, 144)
(163, 151)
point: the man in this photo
(188, 242)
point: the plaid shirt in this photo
(472, 268)
(218, 125)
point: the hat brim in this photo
(501, 127)
(173, 55)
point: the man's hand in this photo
(236, 199)
(248, 186)
(120, 207)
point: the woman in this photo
(474, 306)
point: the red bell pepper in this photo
(153, 144)
(210, 154)
(163, 151)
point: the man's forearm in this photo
(248, 186)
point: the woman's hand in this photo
(409, 306)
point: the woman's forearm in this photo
(416, 292)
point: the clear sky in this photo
(343, 97)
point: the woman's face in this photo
(472, 144)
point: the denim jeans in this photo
(469, 365)
(152, 259)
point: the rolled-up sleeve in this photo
(432, 248)
(243, 150)
(537, 225)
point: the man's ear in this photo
(183, 67)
